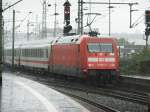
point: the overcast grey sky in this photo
(119, 14)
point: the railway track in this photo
(123, 94)
(127, 96)
(101, 106)
(66, 86)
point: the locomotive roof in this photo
(67, 39)
(76, 39)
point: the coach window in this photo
(46, 53)
(28, 52)
(7, 53)
(34, 52)
(37, 52)
(10, 52)
(15, 52)
(31, 52)
(41, 53)
(22, 52)
(25, 52)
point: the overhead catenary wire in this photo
(138, 21)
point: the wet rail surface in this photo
(135, 97)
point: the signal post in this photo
(148, 102)
(147, 29)
(67, 27)
(1, 35)
(1, 27)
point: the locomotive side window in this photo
(100, 47)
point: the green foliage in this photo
(122, 41)
(136, 64)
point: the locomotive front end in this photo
(102, 58)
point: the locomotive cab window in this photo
(100, 47)
(93, 47)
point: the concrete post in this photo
(1, 49)
(13, 39)
(148, 102)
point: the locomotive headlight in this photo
(90, 65)
(85, 70)
(113, 65)
(111, 54)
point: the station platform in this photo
(24, 95)
(137, 77)
(143, 81)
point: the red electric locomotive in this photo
(85, 56)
